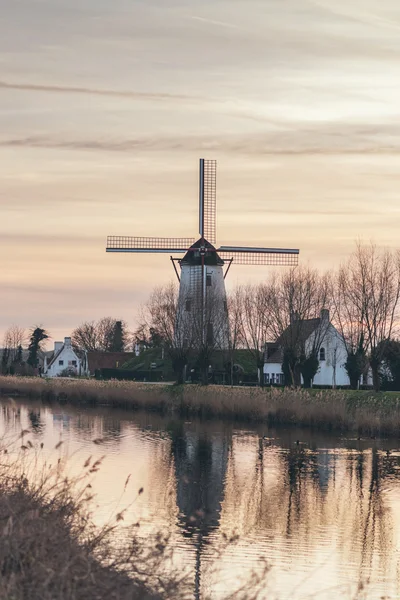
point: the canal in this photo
(322, 511)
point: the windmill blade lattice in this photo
(260, 256)
(208, 200)
(121, 243)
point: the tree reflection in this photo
(37, 424)
(111, 428)
(301, 497)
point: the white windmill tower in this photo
(202, 296)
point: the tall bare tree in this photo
(255, 324)
(235, 340)
(350, 318)
(188, 330)
(377, 276)
(210, 326)
(298, 303)
(164, 315)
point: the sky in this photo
(106, 107)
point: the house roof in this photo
(107, 360)
(273, 353)
(51, 359)
(307, 327)
(275, 357)
(273, 350)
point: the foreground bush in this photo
(49, 548)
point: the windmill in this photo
(202, 276)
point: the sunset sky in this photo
(106, 107)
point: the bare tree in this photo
(165, 315)
(367, 291)
(85, 337)
(298, 303)
(350, 318)
(189, 330)
(255, 324)
(106, 335)
(15, 338)
(210, 329)
(235, 308)
(377, 280)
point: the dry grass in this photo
(364, 412)
(50, 550)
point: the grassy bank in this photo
(366, 413)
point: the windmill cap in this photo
(193, 255)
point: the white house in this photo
(332, 353)
(64, 359)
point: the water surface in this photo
(324, 511)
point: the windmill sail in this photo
(122, 243)
(208, 199)
(260, 256)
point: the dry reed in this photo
(50, 549)
(364, 412)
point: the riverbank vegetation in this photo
(51, 550)
(366, 412)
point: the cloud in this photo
(214, 22)
(36, 240)
(62, 89)
(324, 139)
(355, 14)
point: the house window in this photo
(278, 378)
(272, 378)
(208, 278)
(188, 305)
(322, 354)
(266, 378)
(74, 363)
(61, 363)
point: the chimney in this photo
(57, 346)
(325, 315)
(67, 341)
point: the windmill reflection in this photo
(200, 467)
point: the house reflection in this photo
(62, 421)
